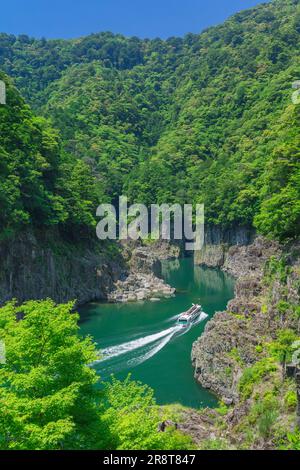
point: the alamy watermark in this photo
(163, 221)
(2, 92)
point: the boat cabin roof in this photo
(184, 317)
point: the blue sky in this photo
(143, 18)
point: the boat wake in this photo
(114, 351)
(130, 354)
(154, 349)
(203, 316)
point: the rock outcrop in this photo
(235, 346)
(36, 267)
(141, 282)
(230, 340)
(248, 261)
(140, 286)
(199, 427)
(217, 242)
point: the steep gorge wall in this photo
(230, 340)
(217, 242)
(37, 267)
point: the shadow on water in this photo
(143, 338)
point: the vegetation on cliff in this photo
(255, 362)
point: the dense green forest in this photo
(207, 118)
(204, 118)
(40, 183)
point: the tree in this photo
(282, 347)
(49, 397)
(133, 417)
(47, 393)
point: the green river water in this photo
(142, 337)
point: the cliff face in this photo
(241, 327)
(39, 266)
(33, 267)
(233, 350)
(217, 242)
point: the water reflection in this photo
(212, 280)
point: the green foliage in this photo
(282, 349)
(133, 416)
(293, 441)
(207, 118)
(297, 311)
(275, 268)
(40, 185)
(253, 375)
(290, 399)
(235, 355)
(47, 394)
(48, 397)
(208, 115)
(262, 418)
(267, 415)
(222, 409)
(282, 307)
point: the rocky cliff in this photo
(39, 266)
(233, 357)
(143, 277)
(35, 266)
(213, 354)
(217, 242)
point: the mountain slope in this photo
(207, 118)
(41, 185)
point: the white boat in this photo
(186, 318)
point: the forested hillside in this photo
(207, 118)
(41, 185)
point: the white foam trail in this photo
(202, 317)
(139, 360)
(159, 340)
(124, 348)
